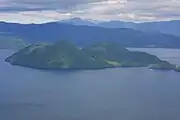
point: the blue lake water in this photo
(110, 94)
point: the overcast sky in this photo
(39, 11)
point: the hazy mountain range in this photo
(88, 32)
(168, 27)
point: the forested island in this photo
(64, 55)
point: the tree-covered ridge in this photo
(65, 55)
(61, 55)
(112, 52)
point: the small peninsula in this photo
(162, 66)
(65, 55)
(177, 69)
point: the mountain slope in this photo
(167, 27)
(88, 35)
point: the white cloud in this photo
(37, 11)
(33, 16)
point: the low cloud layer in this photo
(38, 11)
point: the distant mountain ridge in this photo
(88, 35)
(167, 27)
(79, 21)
